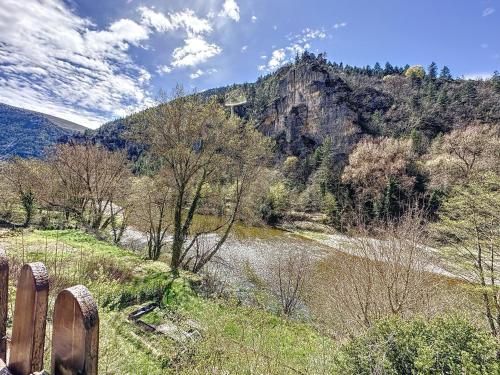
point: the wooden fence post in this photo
(75, 335)
(4, 303)
(28, 330)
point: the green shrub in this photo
(445, 345)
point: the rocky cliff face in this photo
(312, 104)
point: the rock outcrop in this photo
(312, 104)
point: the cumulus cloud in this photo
(488, 11)
(253, 19)
(57, 62)
(231, 10)
(196, 50)
(244, 48)
(299, 43)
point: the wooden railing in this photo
(75, 331)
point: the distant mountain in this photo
(27, 133)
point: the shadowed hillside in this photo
(27, 133)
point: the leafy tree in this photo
(415, 72)
(331, 209)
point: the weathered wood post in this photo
(4, 303)
(75, 335)
(28, 330)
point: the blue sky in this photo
(93, 61)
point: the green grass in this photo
(235, 339)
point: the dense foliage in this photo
(445, 345)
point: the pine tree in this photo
(496, 81)
(432, 70)
(389, 69)
(445, 73)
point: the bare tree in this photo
(25, 177)
(463, 154)
(289, 276)
(87, 179)
(152, 211)
(204, 152)
(388, 272)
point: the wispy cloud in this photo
(244, 48)
(488, 11)
(57, 62)
(340, 25)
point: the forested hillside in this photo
(348, 139)
(27, 133)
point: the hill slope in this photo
(27, 133)
(303, 103)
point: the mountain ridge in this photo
(27, 133)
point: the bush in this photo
(445, 345)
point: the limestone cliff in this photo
(311, 104)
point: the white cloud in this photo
(185, 19)
(340, 25)
(253, 19)
(196, 50)
(478, 76)
(277, 59)
(230, 9)
(484, 45)
(275, 27)
(163, 69)
(196, 74)
(54, 61)
(199, 73)
(244, 48)
(488, 11)
(299, 43)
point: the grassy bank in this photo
(234, 339)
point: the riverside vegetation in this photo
(400, 275)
